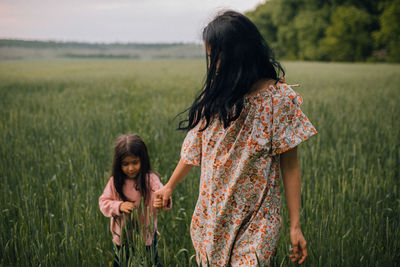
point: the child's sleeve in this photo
(155, 185)
(109, 201)
(191, 147)
(290, 126)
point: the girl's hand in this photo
(299, 246)
(127, 206)
(158, 203)
(162, 197)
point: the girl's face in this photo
(131, 166)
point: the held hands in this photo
(127, 206)
(162, 197)
(299, 244)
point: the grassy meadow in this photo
(59, 120)
(50, 50)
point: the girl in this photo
(131, 182)
(244, 127)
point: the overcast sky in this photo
(112, 20)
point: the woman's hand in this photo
(126, 207)
(291, 180)
(162, 197)
(299, 246)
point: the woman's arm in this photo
(162, 195)
(291, 179)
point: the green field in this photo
(50, 50)
(59, 120)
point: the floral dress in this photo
(237, 218)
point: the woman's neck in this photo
(261, 85)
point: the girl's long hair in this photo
(238, 56)
(131, 145)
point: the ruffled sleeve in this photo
(290, 126)
(191, 147)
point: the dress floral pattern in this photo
(237, 215)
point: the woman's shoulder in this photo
(285, 94)
(278, 92)
(261, 87)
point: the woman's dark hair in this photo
(238, 56)
(131, 145)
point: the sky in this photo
(144, 21)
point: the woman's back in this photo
(236, 133)
(238, 210)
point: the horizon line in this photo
(100, 42)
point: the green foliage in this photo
(262, 17)
(310, 28)
(347, 38)
(335, 30)
(133, 250)
(388, 37)
(59, 119)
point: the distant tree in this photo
(388, 37)
(262, 17)
(283, 14)
(310, 27)
(348, 37)
(292, 27)
(274, 19)
(337, 30)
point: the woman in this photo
(243, 128)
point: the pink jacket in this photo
(110, 201)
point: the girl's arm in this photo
(156, 185)
(109, 202)
(162, 195)
(291, 179)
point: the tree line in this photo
(61, 44)
(331, 30)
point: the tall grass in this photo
(59, 120)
